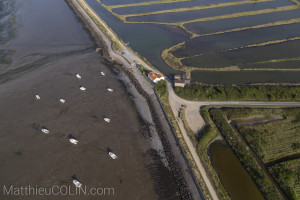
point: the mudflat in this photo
(48, 47)
(30, 157)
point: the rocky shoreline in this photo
(155, 119)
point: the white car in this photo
(102, 73)
(77, 183)
(109, 89)
(62, 100)
(106, 119)
(44, 130)
(82, 88)
(37, 96)
(73, 140)
(112, 155)
(78, 76)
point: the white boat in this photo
(44, 130)
(82, 88)
(102, 73)
(78, 76)
(109, 89)
(73, 140)
(37, 96)
(106, 119)
(112, 155)
(77, 183)
(62, 100)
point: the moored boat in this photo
(44, 130)
(73, 140)
(112, 155)
(77, 183)
(106, 119)
(82, 88)
(78, 76)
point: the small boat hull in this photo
(77, 183)
(112, 155)
(46, 131)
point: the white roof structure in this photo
(112, 155)
(78, 76)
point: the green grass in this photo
(199, 92)
(274, 140)
(287, 174)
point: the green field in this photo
(287, 174)
(197, 92)
(276, 139)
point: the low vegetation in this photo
(287, 174)
(199, 92)
(274, 140)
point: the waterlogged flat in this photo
(246, 77)
(211, 12)
(225, 41)
(247, 56)
(167, 6)
(121, 2)
(293, 64)
(49, 32)
(213, 26)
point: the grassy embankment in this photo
(205, 137)
(101, 24)
(243, 93)
(201, 145)
(246, 156)
(273, 141)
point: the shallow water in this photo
(211, 12)
(121, 2)
(234, 177)
(246, 77)
(213, 26)
(246, 56)
(167, 6)
(225, 41)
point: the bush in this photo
(245, 93)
